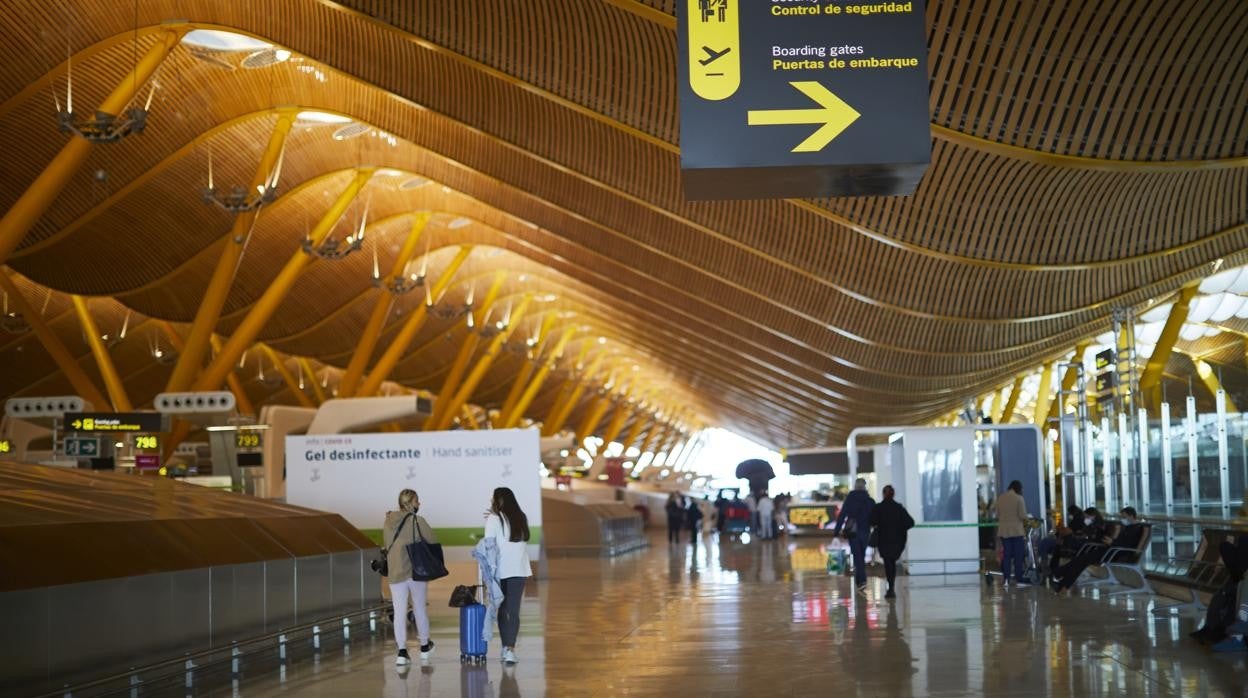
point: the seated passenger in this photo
(1064, 538)
(1128, 537)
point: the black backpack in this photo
(1220, 614)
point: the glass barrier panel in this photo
(1209, 480)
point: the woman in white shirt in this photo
(509, 528)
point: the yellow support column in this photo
(593, 418)
(478, 316)
(1154, 370)
(191, 359)
(616, 425)
(512, 418)
(465, 390)
(52, 344)
(1210, 379)
(470, 419)
(555, 424)
(236, 386)
(526, 371)
(634, 431)
(245, 335)
(112, 381)
(1008, 413)
(1068, 380)
(289, 378)
(658, 432)
(310, 375)
(1044, 396)
(411, 326)
(377, 321)
(34, 202)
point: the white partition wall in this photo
(939, 492)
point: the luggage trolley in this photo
(1032, 572)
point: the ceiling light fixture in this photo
(332, 248)
(459, 223)
(405, 282)
(100, 127)
(240, 199)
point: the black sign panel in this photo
(802, 98)
(142, 422)
(1105, 359)
(1106, 381)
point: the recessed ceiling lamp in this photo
(265, 58)
(352, 130)
(389, 172)
(459, 223)
(215, 40)
(321, 118)
(413, 183)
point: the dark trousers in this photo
(1069, 572)
(673, 530)
(1013, 558)
(858, 548)
(509, 610)
(890, 571)
(1234, 558)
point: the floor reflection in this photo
(735, 616)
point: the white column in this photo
(1146, 494)
(1224, 457)
(1089, 466)
(1107, 470)
(1193, 468)
(1167, 474)
(1124, 459)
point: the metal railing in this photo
(183, 671)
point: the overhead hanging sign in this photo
(802, 98)
(144, 422)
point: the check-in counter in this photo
(571, 526)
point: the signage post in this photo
(802, 98)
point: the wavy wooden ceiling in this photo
(1085, 156)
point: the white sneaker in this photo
(509, 657)
(403, 659)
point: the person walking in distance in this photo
(693, 519)
(401, 528)
(675, 517)
(509, 527)
(855, 521)
(891, 522)
(1011, 527)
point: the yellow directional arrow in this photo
(833, 113)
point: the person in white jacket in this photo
(509, 527)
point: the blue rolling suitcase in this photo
(472, 648)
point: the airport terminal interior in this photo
(709, 316)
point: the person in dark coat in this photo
(855, 520)
(693, 518)
(675, 510)
(891, 522)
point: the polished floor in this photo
(765, 619)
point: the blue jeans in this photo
(1014, 554)
(858, 548)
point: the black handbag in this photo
(428, 563)
(381, 565)
(463, 596)
(873, 541)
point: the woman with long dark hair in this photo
(509, 527)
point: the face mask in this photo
(1125, 521)
(1087, 520)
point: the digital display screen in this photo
(147, 442)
